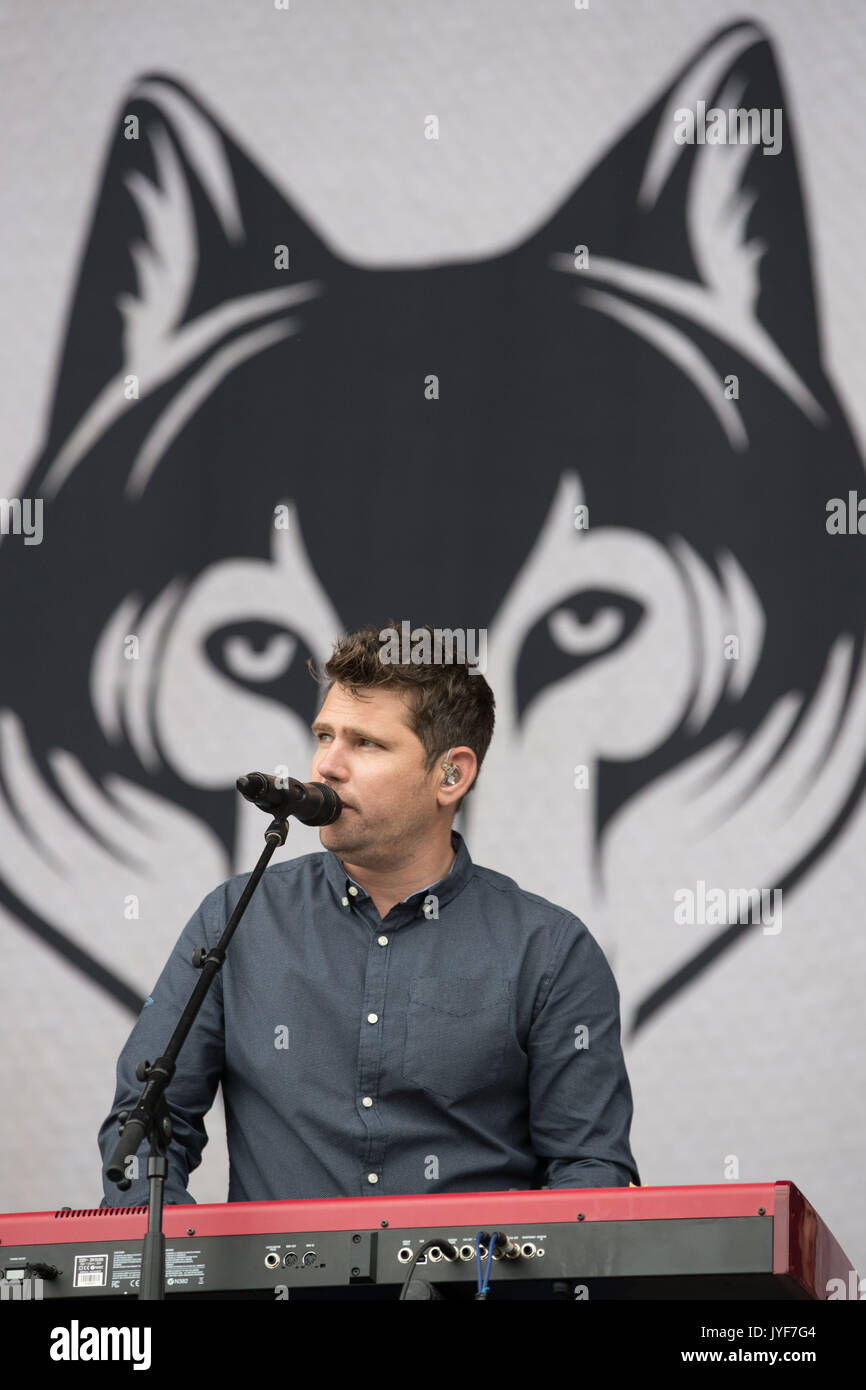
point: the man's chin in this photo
(340, 835)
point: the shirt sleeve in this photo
(580, 1102)
(192, 1089)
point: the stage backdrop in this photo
(480, 317)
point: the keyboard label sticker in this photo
(182, 1267)
(91, 1271)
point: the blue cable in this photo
(483, 1280)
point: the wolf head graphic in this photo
(255, 445)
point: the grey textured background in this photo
(330, 99)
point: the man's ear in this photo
(463, 760)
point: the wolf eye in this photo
(243, 660)
(584, 628)
(268, 658)
(600, 631)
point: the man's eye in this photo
(371, 741)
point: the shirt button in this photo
(345, 902)
(372, 1018)
(367, 1101)
(354, 892)
(383, 940)
(372, 1177)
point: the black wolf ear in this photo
(184, 223)
(726, 218)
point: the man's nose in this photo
(329, 762)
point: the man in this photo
(391, 1017)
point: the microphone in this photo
(312, 803)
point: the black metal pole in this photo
(150, 1118)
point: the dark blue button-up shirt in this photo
(468, 1041)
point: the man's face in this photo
(375, 763)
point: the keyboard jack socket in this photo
(272, 1260)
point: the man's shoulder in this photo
(531, 906)
(306, 868)
(566, 936)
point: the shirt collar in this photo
(444, 889)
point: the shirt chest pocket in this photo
(456, 1033)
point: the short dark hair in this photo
(447, 706)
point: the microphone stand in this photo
(151, 1118)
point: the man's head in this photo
(400, 744)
